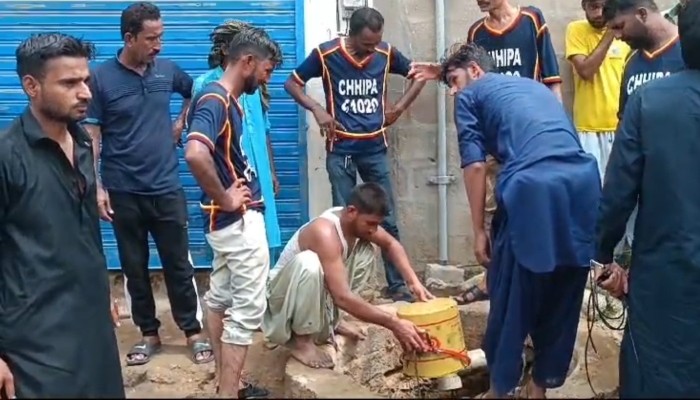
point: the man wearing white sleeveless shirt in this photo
(320, 271)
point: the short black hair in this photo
(250, 41)
(461, 54)
(135, 15)
(365, 17)
(370, 198)
(689, 32)
(614, 7)
(38, 49)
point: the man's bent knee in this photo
(218, 298)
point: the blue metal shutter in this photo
(187, 28)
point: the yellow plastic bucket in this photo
(440, 319)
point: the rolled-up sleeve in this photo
(469, 134)
(209, 120)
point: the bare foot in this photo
(532, 391)
(307, 353)
(350, 330)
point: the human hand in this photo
(420, 292)
(178, 127)
(104, 207)
(275, 184)
(425, 71)
(391, 115)
(411, 337)
(238, 195)
(326, 122)
(7, 381)
(482, 248)
(614, 279)
(612, 32)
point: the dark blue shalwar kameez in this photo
(655, 159)
(547, 192)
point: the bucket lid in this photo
(426, 307)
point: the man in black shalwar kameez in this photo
(656, 158)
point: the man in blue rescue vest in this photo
(355, 118)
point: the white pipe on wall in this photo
(442, 178)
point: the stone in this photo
(444, 280)
(302, 382)
(474, 317)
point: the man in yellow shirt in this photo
(598, 58)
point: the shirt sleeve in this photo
(575, 45)
(398, 63)
(623, 99)
(182, 82)
(95, 109)
(548, 57)
(9, 180)
(469, 134)
(208, 120)
(622, 181)
(311, 67)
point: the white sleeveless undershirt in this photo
(292, 248)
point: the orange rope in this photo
(436, 348)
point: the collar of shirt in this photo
(34, 132)
(121, 64)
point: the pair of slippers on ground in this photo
(202, 353)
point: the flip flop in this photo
(400, 294)
(471, 295)
(144, 348)
(251, 391)
(200, 346)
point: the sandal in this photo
(400, 294)
(199, 347)
(251, 391)
(143, 348)
(471, 295)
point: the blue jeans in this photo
(342, 173)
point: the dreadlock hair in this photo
(220, 39)
(461, 53)
(222, 36)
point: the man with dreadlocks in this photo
(256, 140)
(547, 194)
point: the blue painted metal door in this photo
(186, 41)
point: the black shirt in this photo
(56, 332)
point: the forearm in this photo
(297, 93)
(397, 255)
(96, 136)
(475, 183)
(204, 171)
(182, 118)
(591, 64)
(362, 310)
(271, 156)
(556, 89)
(410, 96)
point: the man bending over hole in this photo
(321, 269)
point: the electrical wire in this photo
(607, 316)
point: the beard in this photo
(51, 111)
(250, 85)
